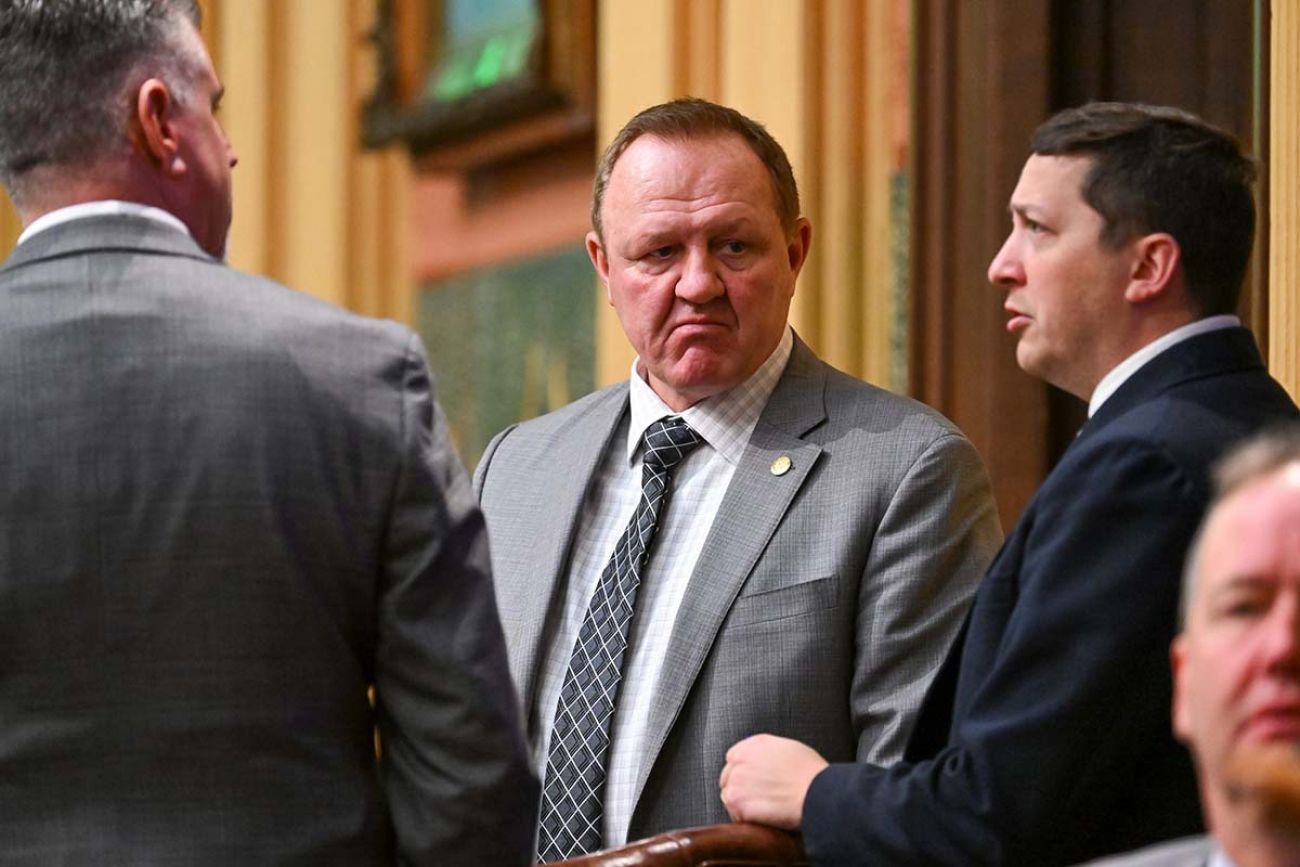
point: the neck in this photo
(1261, 848)
(1141, 333)
(54, 188)
(1256, 827)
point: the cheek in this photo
(641, 305)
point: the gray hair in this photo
(69, 69)
(1252, 459)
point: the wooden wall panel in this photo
(1284, 247)
(979, 93)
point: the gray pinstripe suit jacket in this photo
(226, 509)
(823, 602)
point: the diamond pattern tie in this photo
(573, 794)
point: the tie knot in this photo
(668, 442)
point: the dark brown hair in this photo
(1159, 169)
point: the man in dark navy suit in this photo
(1046, 738)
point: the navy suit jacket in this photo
(1046, 737)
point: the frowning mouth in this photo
(698, 326)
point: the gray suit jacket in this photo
(226, 511)
(1187, 852)
(824, 599)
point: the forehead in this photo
(1256, 531)
(1052, 181)
(668, 175)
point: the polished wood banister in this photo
(737, 845)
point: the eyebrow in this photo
(1244, 581)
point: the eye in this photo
(735, 247)
(1243, 607)
(660, 253)
(1034, 227)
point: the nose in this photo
(1006, 269)
(699, 281)
(1281, 642)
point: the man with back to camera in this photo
(1045, 738)
(799, 546)
(228, 510)
(1237, 665)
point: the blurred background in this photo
(431, 161)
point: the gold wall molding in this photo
(1284, 208)
(10, 226)
(312, 209)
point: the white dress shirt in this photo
(1120, 373)
(1219, 858)
(100, 209)
(725, 423)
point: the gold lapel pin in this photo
(781, 465)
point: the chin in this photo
(1028, 361)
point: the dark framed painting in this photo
(482, 78)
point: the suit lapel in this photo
(1210, 354)
(755, 502)
(574, 461)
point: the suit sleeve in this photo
(453, 760)
(932, 545)
(1077, 693)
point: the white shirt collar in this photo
(725, 420)
(1219, 858)
(1119, 374)
(108, 207)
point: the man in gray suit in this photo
(227, 510)
(1237, 665)
(820, 540)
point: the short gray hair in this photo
(1250, 460)
(68, 67)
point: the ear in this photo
(599, 261)
(156, 133)
(799, 244)
(1182, 717)
(1156, 258)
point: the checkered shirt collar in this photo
(725, 420)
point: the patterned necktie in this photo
(573, 795)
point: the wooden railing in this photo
(736, 845)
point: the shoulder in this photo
(868, 416)
(1187, 852)
(538, 440)
(281, 307)
(546, 430)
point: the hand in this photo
(766, 778)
